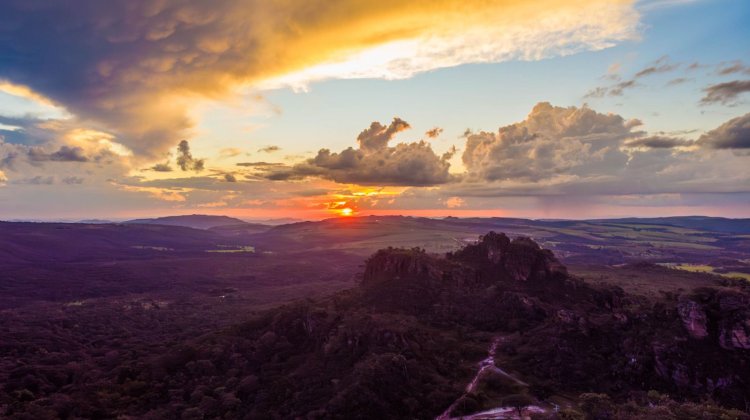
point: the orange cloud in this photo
(140, 66)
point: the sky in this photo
(325, 108)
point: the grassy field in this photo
(698, 268)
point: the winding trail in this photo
(488, 365)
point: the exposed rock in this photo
(693, 318)
(399, 265)
(519, 260)
(736, 336)
(469, 283)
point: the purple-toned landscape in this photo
(212, 317)
(357, 209)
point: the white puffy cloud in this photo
(575, 151)
(551, 141)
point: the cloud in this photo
(162, 167)
(35, 140)
(662, 65)
(260, 164)
(732, 67)
(163, 194)
(24, 158)
(578, 152)
(37, 180)
(677, 81)
(229, 152)
(658, 142)
(377, 136)
(135, 68)
(269, 149)
(733, 134)
(551, 141)
(64, 154)
(619, 89)
(374, 162)
(230, 178)
(725, 93)
(185, 159)
(73, 180)
(434, 132)
(597, 92)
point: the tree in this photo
(519, 402)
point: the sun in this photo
(347, 212)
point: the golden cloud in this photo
(141, 65)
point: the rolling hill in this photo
(198, 221)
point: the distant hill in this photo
(606, 241)
(70, 242)
(195, 221)
(714, 224)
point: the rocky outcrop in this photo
(693, 318)
(399, 265)
(727, 311)
(414, 280)
(734, 322)
(521, 259)
(735, 336)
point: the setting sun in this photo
(347, 212)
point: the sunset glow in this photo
(544, 109)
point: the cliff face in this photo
(521, 259)
(494, 258)
(475, 282)
(722, 316)
(693, 318)
(515, 285)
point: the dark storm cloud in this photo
(185, 159)
(725, 93)
(374, 162)
(733, 134)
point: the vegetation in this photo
(193, 335)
